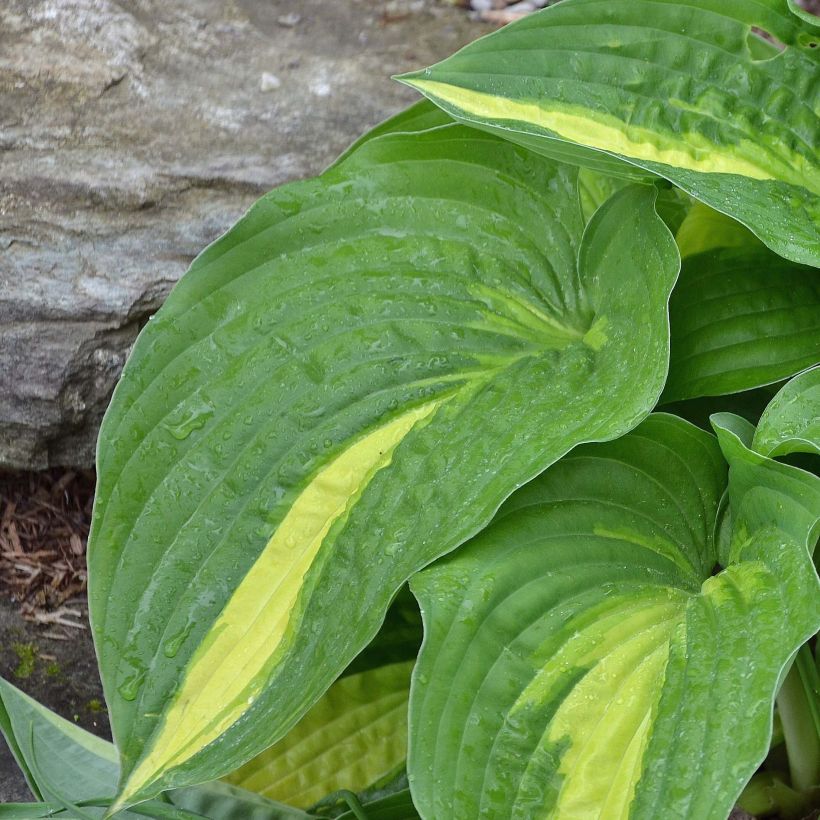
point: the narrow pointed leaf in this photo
(353, 736)
(741, 318)
(75, 766)
(683, 90)
(342, 389)
(582, 659)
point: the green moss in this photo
(27, 657)
(53, 670)
(95, 705)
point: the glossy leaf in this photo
(741, 318)
(791, 422)
(749, 404)
(584, 656)
(421, 116)
(353, 736)
(295, 432)
(683, 90)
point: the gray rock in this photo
(133, 133)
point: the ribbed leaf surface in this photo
(581, 657)
(297, 430)
(741, 318)
(683, 90)
(353, 736)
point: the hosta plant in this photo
(544, 347)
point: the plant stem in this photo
(767, 794)
(355, 806)
(797, 703)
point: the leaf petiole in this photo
(799, 707)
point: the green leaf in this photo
(295, 433)
(741, 318)
(19, 811)
(749, 404)
(421, 116)
(222, 801)
(353, 736)
(791, 422)
(573, 648)
(74, 766)
(399, 637)
(683, 90)
(763, 492)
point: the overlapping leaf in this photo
(791, 422)
(741, 318)
(295, 432)
(687, 91)
(574, 648)
(355, 735)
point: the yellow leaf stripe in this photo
(606, 133)
(607, 716)
(227, 671)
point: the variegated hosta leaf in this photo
(741, 318)
(353, 736)
(342, 389)
(791, 422)
(683, 90)
(584, 656)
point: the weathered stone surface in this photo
(134, 132)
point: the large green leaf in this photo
(683, 90)
(353, 736)
(585, 657)
(342, 389)
(741, 318)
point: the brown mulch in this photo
(44, 521)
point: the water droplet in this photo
(172, 646)
(130, 687)
(193, 418)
